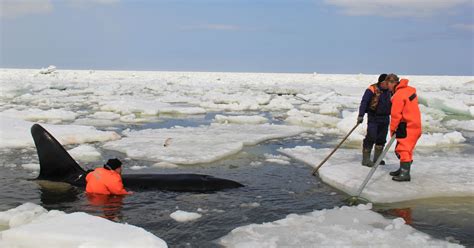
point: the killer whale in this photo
(56, 164)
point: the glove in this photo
(360, 119)
(401, 130)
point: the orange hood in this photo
(403, 83)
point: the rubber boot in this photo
(404, 175)
(377, 152)
(366, 157)
(395, 173)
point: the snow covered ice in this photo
(325, 104)
(203, 144)
(85, 153)
(30, 225)
(432, 176)
(76, 106)
(131, 105)
(52, 115)
(256, 119)
(15, 133)
(339, 227)
(183, 216)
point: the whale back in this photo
(57, 165)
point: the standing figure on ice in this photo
(405, 124)
(376, 103)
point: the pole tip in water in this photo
(354, 200)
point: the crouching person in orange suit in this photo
(106, 180)
(405, 123)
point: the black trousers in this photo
(376, 133)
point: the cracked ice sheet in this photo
(15, 133)
(30, 225)
(194, 145)
(356, 226)
(431, 176)
(51, 115)
(85, 153)
(324, 94)
(241, 119)
(147, 107)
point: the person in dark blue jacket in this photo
(376, 103)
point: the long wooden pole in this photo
(335, 149)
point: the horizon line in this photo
(243, 72)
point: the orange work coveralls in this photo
(106, 182)
(405, 109)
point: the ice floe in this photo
(48, 70)
(165, 165)
(136, 95)
(305, 118)
(137, 167)
(85, 153)
(30, 225)
(31, 167)
(130, 105)
(467, 125)
(52, 115)
(232, 101)
(278, 103)
(446, 103)
(183, 216)
(15, 133)
(105, 115)
(193, 145)
(440, 139)
(250, 205)
(277, 159)
(348, 122)
(241, 119)
(356, 226)
(432, 176)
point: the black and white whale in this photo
(57, 165)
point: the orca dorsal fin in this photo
(55, 162)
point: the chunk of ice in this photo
(31, 166)
(29, 225)
(439, 139)
(305, 118)
(431, 176)
(85, 153)
(183, 216)
(242, 119)
(338, 227)
(15, 133)
(51, 115)
(193, 145)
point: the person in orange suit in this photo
(106, 180)
(405, 123)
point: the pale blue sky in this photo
(327, 36)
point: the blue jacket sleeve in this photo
(364, 104)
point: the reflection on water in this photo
(56, 192)
(449, 218)
(404, 213)
(110, 205)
